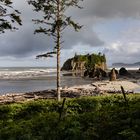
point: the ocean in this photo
(29, 79)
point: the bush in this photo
(106, 118)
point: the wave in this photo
(25, 73)
(128, 68)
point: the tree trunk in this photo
(58, 73)
(58, 53)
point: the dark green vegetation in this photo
(89, 60)
(89, 118)
(94, 59)
(8, 16)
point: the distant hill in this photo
(137, 64)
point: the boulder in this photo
(123, 72)
(116, 72)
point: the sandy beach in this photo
(98, 88)
(109, 85)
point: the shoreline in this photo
(97, 88)
(94, 87)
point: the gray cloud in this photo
(23, 43)
(111, 8)
(127, 47)
(127, 53)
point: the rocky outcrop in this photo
(67, 65)
(95, 73)
(70, 64)
(79, 65)
(102, 66)
(84, 62)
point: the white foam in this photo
(25, 73)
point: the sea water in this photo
(21, 79)
(29, 79)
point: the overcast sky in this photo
(110, 26)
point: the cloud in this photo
(119, 52)
(23, 43)
(126, 49)
(111, 8)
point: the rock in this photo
(91, 74)
(95, 73)
(103, 73)
(123, 72)
(99, 73)
(113, 76)
(67, 65)
(116, 72)
(82, 62)
(86, 73)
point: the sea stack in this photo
(113, 76)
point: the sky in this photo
(111, 27)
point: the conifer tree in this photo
(54, 21)
(8, 16)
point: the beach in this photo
(99, 88)
(40, 83)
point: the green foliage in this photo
(97, 118)
(94, 59)
(8, 16)
(54, 19)
(90, 60)
(81, 58)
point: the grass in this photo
(86, 118)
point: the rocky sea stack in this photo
(85, 62)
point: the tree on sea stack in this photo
(8, 16)
(54, 21)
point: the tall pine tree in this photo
(8, 16)
(54, 21)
